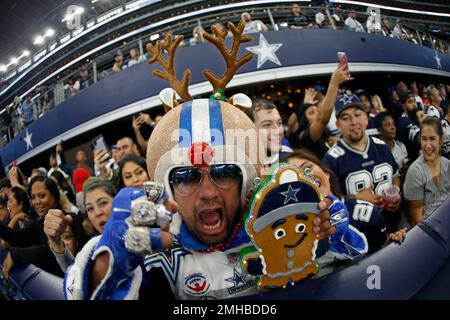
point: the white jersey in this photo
(193, 275)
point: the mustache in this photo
(210, 204)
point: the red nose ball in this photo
(201, 154)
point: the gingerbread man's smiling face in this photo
(289, 233)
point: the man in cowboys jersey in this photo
(364, 165)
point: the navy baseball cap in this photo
(288, 198)
(346, 101)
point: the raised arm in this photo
(340, 75)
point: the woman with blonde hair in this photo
(377, 104)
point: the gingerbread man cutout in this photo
(279, 221)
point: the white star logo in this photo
(265, 51)
(346, 99)
(438, 60)
(28, 140)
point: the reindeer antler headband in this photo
(218, 40)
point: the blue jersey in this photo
(407, 132)
(365, 217)
(372, 127)
(358, 170)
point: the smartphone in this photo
(343, 60)
(99, 143)
(15, 163)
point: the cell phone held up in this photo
(343, 61)
(99, 143)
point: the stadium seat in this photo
(43, 286)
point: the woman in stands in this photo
(64, 185)
(30, 244)
(427, 183)
(19, 209)
(98, 203)
(307, 125)
(4, 215)
(363, 215)
(133, 172)
(377, 104)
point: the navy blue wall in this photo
(299, 47)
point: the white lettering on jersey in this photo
(363, 179)
(362, 211)
(358, 181)
(382, 176)
(377, 141)
(336, 152)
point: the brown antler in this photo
(232, 65)
(182, 88)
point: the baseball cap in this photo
(80, 175)
(346, 101)
(404, 96)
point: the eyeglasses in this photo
(187, 180)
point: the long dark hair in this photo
(131, 158)
(78, 231)
(49, 185)
(305, 154)
(64, 185)
(22, 199)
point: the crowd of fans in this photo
(355, 145)
(21, 113)
(389, 161)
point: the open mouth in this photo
(211, 220)
(101, 224)
(297, 243)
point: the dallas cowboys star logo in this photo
(438, 60)
(28, 140)
(290, 194)
(346, 99)
(237, 278)
(265, 51)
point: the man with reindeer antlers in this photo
(205, 154)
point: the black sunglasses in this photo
(187, 180)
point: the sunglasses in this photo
(187, 180)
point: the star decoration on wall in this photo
(290, 194)
(265, 51)
(27, 140)
(438, 60)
